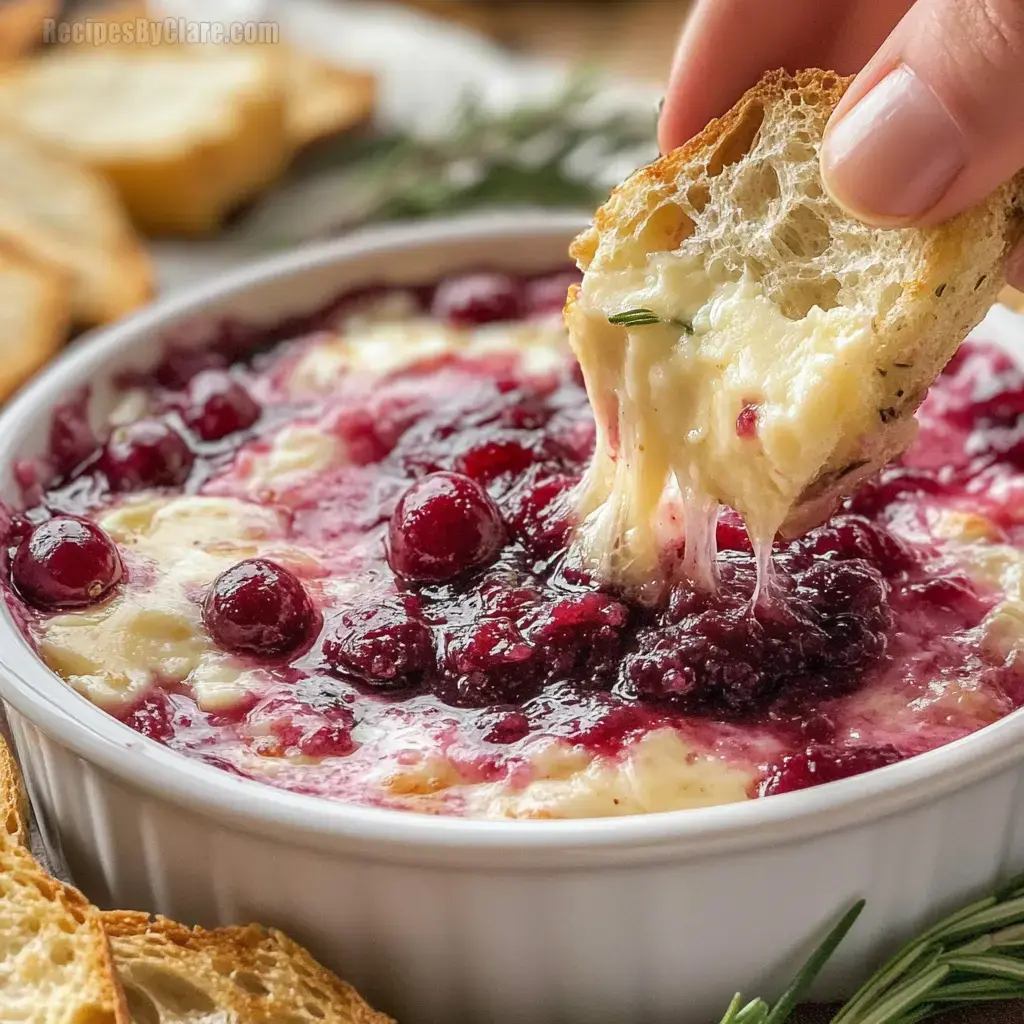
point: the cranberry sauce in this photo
(453, 607)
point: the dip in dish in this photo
(332, 555)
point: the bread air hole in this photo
(801, 297)
(175, 994)
(141, 1008)
(248, 982)
(738, 142)
(665, 229)
(890, 295)
(803, 234)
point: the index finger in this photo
(726, 45)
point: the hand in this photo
(933, 122)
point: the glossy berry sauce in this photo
(456, 628)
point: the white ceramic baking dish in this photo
(647, 919)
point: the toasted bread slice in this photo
(33, 322)
(172, 975)
(13, 801)
(793, 342)
(185, 134)
(323, 99)
(22, 24)
(55, 965)
(64, 215)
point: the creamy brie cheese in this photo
(668, 397)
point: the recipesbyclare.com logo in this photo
(160, 31)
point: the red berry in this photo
(481, 298)
(218, 405)
(149, 453)
(385, 643)
(746, 422)
(259, 607)
(66, 563)
(816, 765)
(444, 525)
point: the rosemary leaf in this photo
(812, 968)
(917, 1014)
(991, 966)
(642, 317)
(902, 961)
(1000, 915)
(755, 1012)
(734, 1007)
(882, 979)
(564, 150)
(904, 997)
(978, 990)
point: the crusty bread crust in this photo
(62, 215)
(926, 288)
(34, 301)
(21, 25)
(55, 963)
(176, 177)
(257, 975)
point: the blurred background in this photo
(147, 144)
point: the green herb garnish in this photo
(565, 150)
(975, 955)
(642, 316)
(757, 1011)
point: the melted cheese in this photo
(658, 772)
(667, 403)
(173, 549)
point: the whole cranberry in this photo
(257, 606)
(218, 405)
(65, 562)
(149, 453)
(386, 643)
(480, 298)
(444, 525)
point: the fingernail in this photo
(894, 155)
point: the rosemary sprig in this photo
(642, 316)
(565, 150)
(974, 955)
(757, 1011)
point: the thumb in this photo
(933, 123)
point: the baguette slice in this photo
(322, 99)
(22, 23)
(64, 215)
(173, 975)
(13, 801)
(55, 965)
(185, 134)
(33, 326)
(814, 337)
